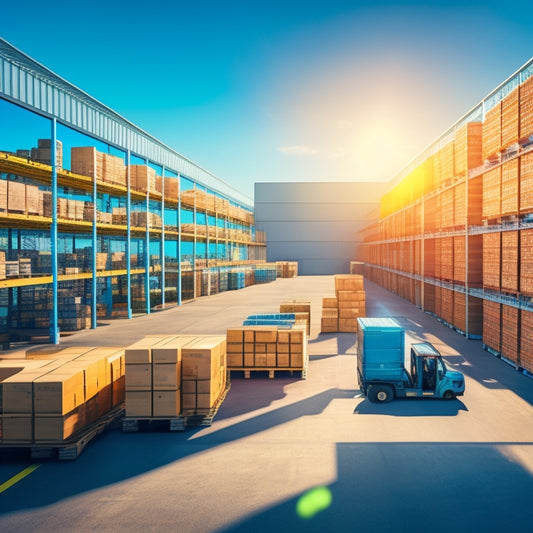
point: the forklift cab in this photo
(427, 367)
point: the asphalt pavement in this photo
(288, 454)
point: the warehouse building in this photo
(316, 224)
(455, 232)
(98, 218)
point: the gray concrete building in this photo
(315, 223)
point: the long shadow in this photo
(116, 456)
(412, 488)
(412, 407)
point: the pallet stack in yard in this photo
(271, 348)
(171, 375)
(340, 314)
(54, 394)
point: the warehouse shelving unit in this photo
(455, 235)
(88, 244)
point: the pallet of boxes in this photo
(175, 381)
(269, 349)
(301, 308)
(340, 313)
(55, 401)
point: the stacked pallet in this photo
(447, 203)
(143, 178)
(526, 262)
(459, 206)
(342, 311)
(172, 189)
(165, 375)
(300, 307)
(447, 305)
(329, 322)
(492, 325)
(467, 149)
(87, 161)
(267, 348)
(357, 267)
(459, 259)
(510, 333)
(492, 260)
(510, 188)
(287, 269)
(58, 393)
(526, 340)
(446, 258)
(43, 152)
(491, 133)
(492, 194)
(510, 119)
(526, 108)
(114, 170)
(142, 219)
(473, 313)
(509, 261)
(204, 373)
(526, 183)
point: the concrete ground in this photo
(299, 455)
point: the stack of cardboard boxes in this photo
(52, 395)
(342, 311)
(267, 347)
(166, 376)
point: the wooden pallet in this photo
(71, 448)
(272, 372)
(188, 418)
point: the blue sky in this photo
(282, 91)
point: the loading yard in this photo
(466, 464)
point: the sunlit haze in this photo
(335, 91)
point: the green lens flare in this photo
(313, 501)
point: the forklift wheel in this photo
(448, 395)
(380, 393)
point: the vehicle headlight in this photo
(458, 384)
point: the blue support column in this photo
(179, 241)
(194, 245)
(128, 230)
(147, 256)
(54, 320)
(94, 284)
(162, 249)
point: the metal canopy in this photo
(26, 82)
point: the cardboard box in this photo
(166, 403)
(141, 351)
(169, 351)
(59, 391)
(283, 360)
(235, 335)
(329, 303)
(56, 428)
(139, 403)
(16, 197)
(166, 376)
(203, 357)
(235, 360)
(347, 325)
(138, 377)
(349, 282)
(329, 325)
(234, 348)
(249, 360)
(17, 428)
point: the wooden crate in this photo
(492, 325)
(510, 333)
(526, 262)
(492, 194)
(492, 260)
(509, 258)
